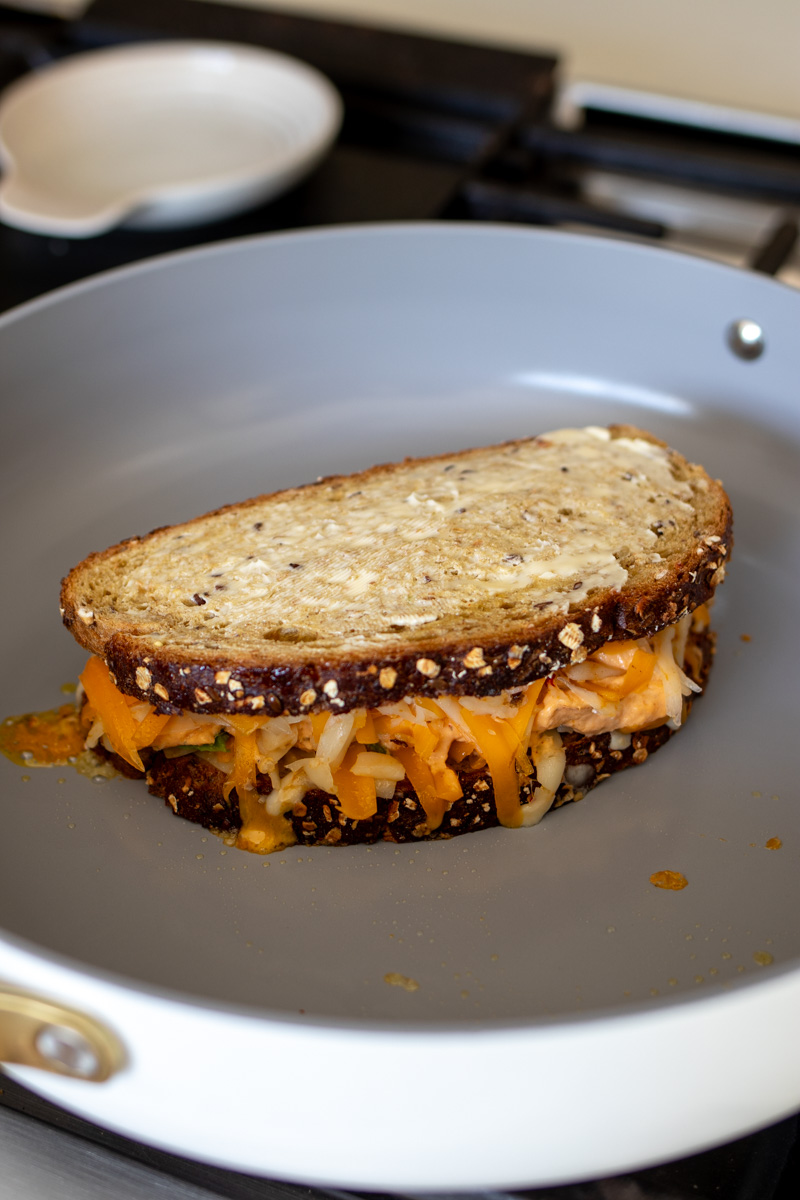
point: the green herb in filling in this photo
(219, 744)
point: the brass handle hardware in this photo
(35, 1032)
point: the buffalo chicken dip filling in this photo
(360, 756)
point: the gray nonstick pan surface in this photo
(540, 1008)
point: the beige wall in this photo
(738, 52)
(744, 53)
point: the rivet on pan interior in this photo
(746, 339)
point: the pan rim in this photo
(450, 229)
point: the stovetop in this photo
(434, 130)
(437, 130)
(421, 117)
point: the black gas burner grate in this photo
(433, 130)
(421, 116)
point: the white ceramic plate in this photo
(158, 135)
(571, 1020)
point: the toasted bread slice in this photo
(463, 574)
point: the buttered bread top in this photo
(427, 560)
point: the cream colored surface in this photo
(723, 52)
(729, 53)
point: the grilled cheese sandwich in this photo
(427, 647)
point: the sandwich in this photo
(419, 650)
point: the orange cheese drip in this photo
(261, 832)
(245, 755)
(367, 734)
(357, 796)
(148, 730)
(318, 723)
(126, 735)
(421, 779)
(672, 881)
(498, 742)
(425, 740)
(119, 723)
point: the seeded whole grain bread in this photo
(192, 787)
(462, 574)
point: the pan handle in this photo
(36, 1032)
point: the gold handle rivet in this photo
(66, 1048)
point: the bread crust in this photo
(192, 787)
(466, 661)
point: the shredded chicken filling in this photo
(361, 756)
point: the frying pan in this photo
(510, 1008)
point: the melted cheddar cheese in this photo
(360, 756)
